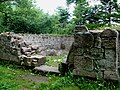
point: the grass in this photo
(11, 78)
(56, 60)
(111, 27)
(69, 82)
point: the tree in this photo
(60, 22)
(81, 12)
(1, 1)
(111, 10)
(73, 1)
(22, 16)
(103, 14)
(63, 16)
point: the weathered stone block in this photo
(82, 72)
(106, 64)
(35, 47)
(78, 39)
(40, 59)
(109, 33)
(82, 39)
(109, 42)
(28, 54)
(25, 49)
(34, 60)
(85, 63)
(97, 55)
(78, 51)
(111, 75)
(96, 50)
(97, 42)
(13, 58)
(110, 55)
(22, 44)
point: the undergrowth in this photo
(117, 27)
(11, 78)
(69, 82)
(56, 60)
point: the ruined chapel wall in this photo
(95, 54)
(49, 42)
(14, 46)
(8, 50)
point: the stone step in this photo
(45, 68)
(33, 60)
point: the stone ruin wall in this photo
(25, 48)
(49, 42)
(92, 53)
(95, 54)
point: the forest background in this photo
(22, 16)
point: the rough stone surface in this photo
(45, 68)
(95, 54)
(28, 48)
(48, 42)
(14, 48)
(92, 53)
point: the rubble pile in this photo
(14, 48)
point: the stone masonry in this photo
(14, 48)
(45, 41)
(94, 54)
(30, 49)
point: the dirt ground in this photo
(35, 78)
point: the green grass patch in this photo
(11, 78)
(56, 60)
(53, 60)
(69, 82)
(112, 27)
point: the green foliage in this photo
(80, 12)
(57, 83)
(56, 60)
(63, 15)
(105, 13)
(21, 16)
(110, 8)
(61, 23)
(94, 26)
(117, 27)
(74, 1)
(11, 78)
(69, 82)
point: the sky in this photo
(49, 6)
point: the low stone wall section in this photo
(49, 42)
(30, 49)
(94, 54)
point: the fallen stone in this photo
(35, 47)
(34, 60)
(25, 49)
(45, 68)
